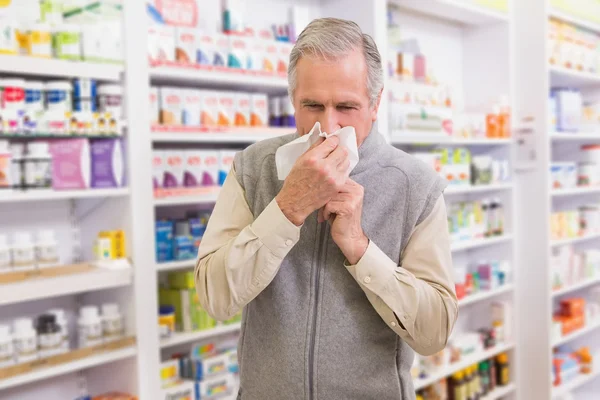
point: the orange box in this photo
(572, 307)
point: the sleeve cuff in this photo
(374, 269)
(275, 231)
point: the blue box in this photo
(184, 248)
(164, 241)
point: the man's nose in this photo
(329, 122)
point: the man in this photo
(339, 277)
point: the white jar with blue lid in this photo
(59, 96)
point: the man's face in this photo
(334, 93)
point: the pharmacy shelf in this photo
(575, 136)
(232, 79)
(484, 295)
(467, 189)
(251, 135)
(208, 198)
(561, 15)
(175, 265)
(41, 288)
(500, 392)
(43, 195)
(577, 334)
(458, 11)
(561, 242)
(408, 138)
(187, 337)
(565, 77)
(578, 286)
(465, 362)
(575, 191)
(69, 367)
(22, 65)
(574, 383)
(476, 243)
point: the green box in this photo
(181, 280)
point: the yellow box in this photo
(117, 239)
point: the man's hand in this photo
(344, 211)
(316, 177)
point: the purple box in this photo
(70, 164)
(107, 163)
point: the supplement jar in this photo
(89, 326)
(38, 166)
(25, 340)
(5, 166)
(46, 249)
(590, 219)
(59, 96)
(591, 153)
(110, 99)
(36, 40)
(34, 105)
(112, 322)
(61, 320)
(84, 95)
(166, 321)
(5, 265)
(23, 254)
(12, 103)
(588, 174)
(66, 41)
(7, 351)
(49, 336)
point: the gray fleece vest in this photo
(312, 333)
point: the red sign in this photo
(178, 12)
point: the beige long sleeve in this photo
(417, 299)
(239, 256)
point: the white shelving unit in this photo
(467, 189)
(189, 337)
(43, 195)
(485, 295)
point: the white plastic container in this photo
(5, 264)
(38, 166)
(588, 174)
(112, 322)
(61, 320)
(46, 249)
(13, 94)
(110, 99)
(34, 96)
(23, 253)
(7, 351)
(59, 96)
(590, 219)
(49, 336)
(591, 153)
(89, 326)
(25, 340)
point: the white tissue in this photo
(286, 155)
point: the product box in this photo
(154, 107)
(161, 43)
(283, 59)
(193, 171)
(233, 11)
(210, 166)
(197, 229)
(221, 50)
(164, 241)
(259, 110)
(238, 52)
(117, 243)
(159, 162)
(169, 373)
(189, 315)
(271, 59)
(256, 54)
(210, 367)
(183, 248)
(226, 158)
(183, 390)
(186, 45)
(242, 109)
(181, 280)
(108, 163)
(217, 385)
(171, 105)
(70, 164)
(226, 108)
(209, 108)
(192, 101)
(173, 176)
(206, 47)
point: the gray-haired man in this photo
(339, 277)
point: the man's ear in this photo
(376, 106)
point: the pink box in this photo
(70, 164)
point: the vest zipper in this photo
(323, 227)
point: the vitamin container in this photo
(37, 166)
(7, 351)
(61, 320)
(59, 96)
(46, 249)
(5, 264)
(23, 254)
(8, 38)
(110, 99)
(25, 340)
(12, 102)
(49, 336)
(588, 174)
(590, 219)
(66, 41)
(5, 166)
(84, 95)
(34, 99)
(16, 166)
(287, 112)
(40, 39)
(89, 326)
(591, 153)
(166, 321)
(112, 322)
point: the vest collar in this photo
(368, 150)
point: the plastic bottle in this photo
(46, 249)
(16, 165)
(5, 263)
(459, 387)
(503, 370)
(38, 166)
(7, 351)
(5, 166)
(89, 327)
(484, 374)
(61, 321)
(504, 128)
(49, 336)
(491, 123)
(498, 217)
(112, 322)
(25, 340)
(23, 254)
(476, 382)
(492, 366)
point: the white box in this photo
(242, 109)
(171, 105)
(209, 108)
(259, 110)
(186, 45)
(161, 43)
(226, 109)
(192, 101)
(210, 167)
(154, 108)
